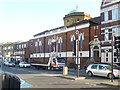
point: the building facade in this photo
(8, 49)
(60, 42)
(110, 27)
(21, 51)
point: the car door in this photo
(94, 69)
(102, 70)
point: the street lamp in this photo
(77, 51)
(113, 35)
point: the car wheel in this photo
(90, 74)
(110, 76)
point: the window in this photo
(118, 13)
(25, 45)
(72, 41)
(117, 31)
(36, 43)
(49, 45)
(106, 56)
(115, 14)
(106, 35)
(40, 44)
(60, 42)
(101, 67)
(22, 45)
(94, 67)
(19, 46)
(115, 60)
(106, 16)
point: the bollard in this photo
(65, 70)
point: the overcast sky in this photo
(21, 19)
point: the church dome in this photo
(74, 11)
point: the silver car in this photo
(102, 70)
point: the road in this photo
(50, 79)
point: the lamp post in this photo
(77, 52)
(113, 34)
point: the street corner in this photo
(72, 77)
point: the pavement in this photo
(72, 75)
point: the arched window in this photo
(72, 41)
(40, 44)
(60, 42)
(49, 45)
(81, 38)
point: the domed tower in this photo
(75, 16)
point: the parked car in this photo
(102, 70)
(11, 64)
(24, 64)
(117, 63)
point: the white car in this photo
(11, 64)
(24, 64)
(102, 70)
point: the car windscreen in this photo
(25, 63)
(61, 60)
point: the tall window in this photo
(49, 45)
(115, 14)
(106, 56)
(60, 42)
(72, 41)
(118, 13)
(106, 16)
(40, 44)
(106, 35)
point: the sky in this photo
(21, 19)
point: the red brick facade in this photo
(40, 49)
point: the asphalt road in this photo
(43, 79)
